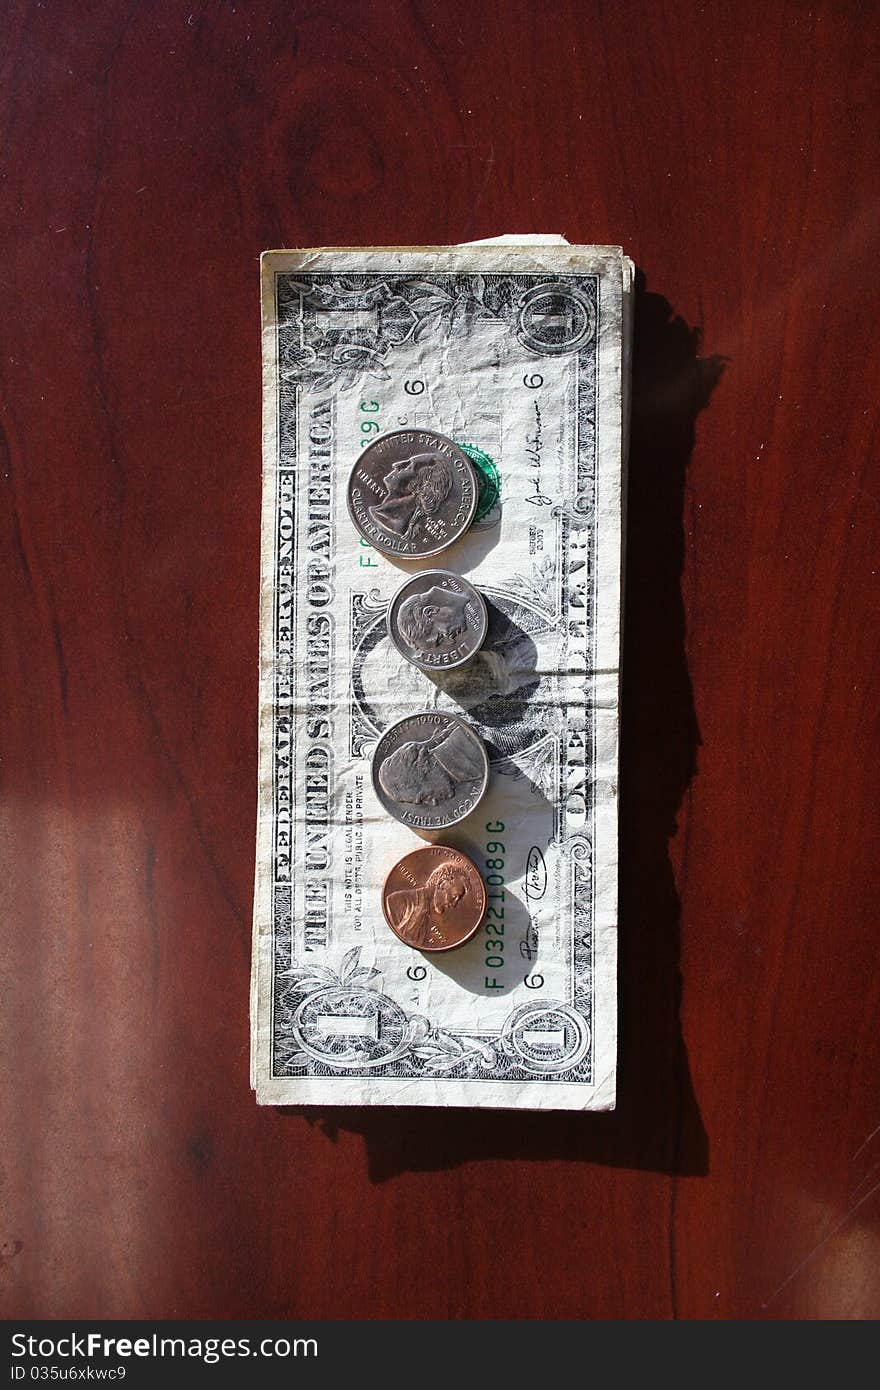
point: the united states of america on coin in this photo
(412, 493)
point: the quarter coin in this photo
(430, 770)
(434, 898)
(437, 620)
(412, 493)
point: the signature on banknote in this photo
(535, 882)
(534, 447)
(528, 946)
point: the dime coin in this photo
(434, 899)
(412, 493)
(437, 620)
(430, 770)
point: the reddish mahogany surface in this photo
(151, 152)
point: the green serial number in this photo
(494, 925)
(369, 429)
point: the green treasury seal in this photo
(488, 478)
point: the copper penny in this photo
(434, 898)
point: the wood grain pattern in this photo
(150, 152)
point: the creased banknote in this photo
(518, 353)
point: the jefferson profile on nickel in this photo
(428, 773)
(429, 770)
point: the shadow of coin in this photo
(495, 687)
(514, 798)
(463, 556)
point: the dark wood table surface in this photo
(150, 152)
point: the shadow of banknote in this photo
(657, 1123)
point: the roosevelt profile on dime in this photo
(429, 772)
(429, 619)
(414, 913)
(437, 620)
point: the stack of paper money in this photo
(517, 350)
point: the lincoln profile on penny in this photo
(429, 773)
(417, 487)
(416, 913)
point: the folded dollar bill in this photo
(519, 354)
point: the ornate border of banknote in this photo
(547, 1052)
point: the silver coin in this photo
(412, 493)
(437, 620)
(430, 770)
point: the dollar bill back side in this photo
(518, 354)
